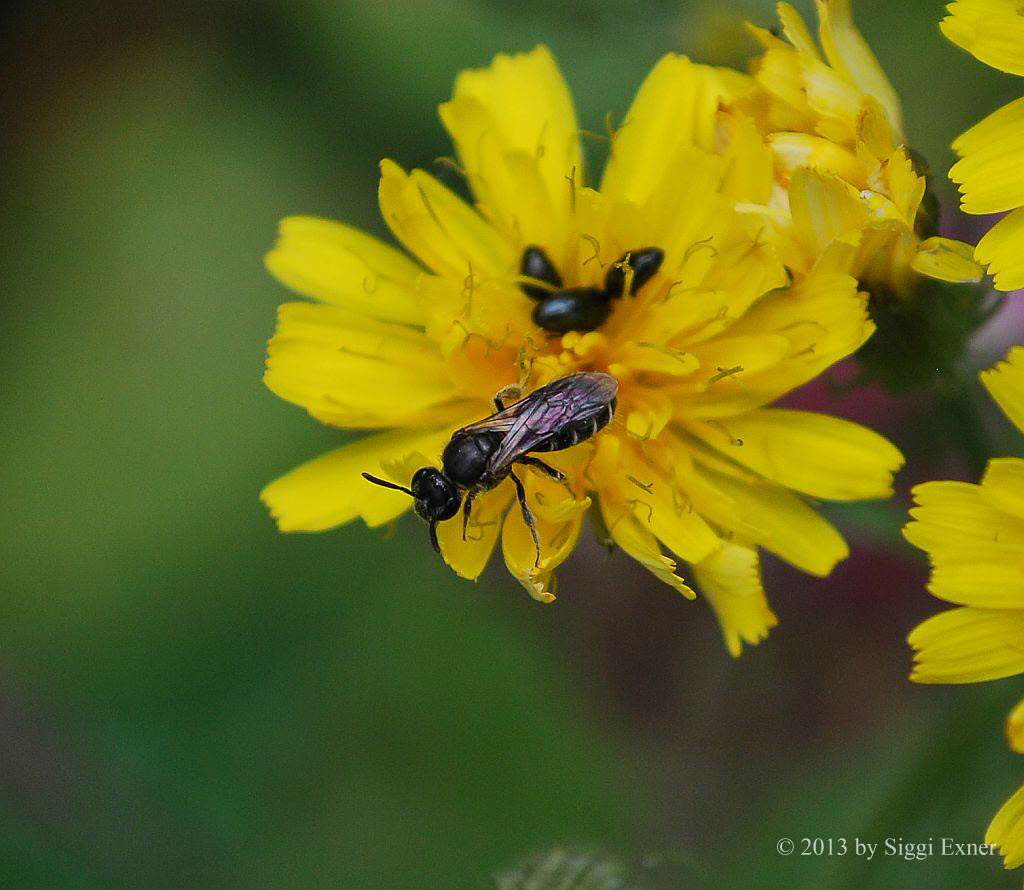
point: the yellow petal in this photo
(1006, 831)
(337, 264)
(849, 53)
(988, 171)
(656, 358)
(661, 506)
(976, 549)
(469, 557)
(1003, 485)
(823, 318)
(439, 227)
(1005, 382)
(730, 579)
(1002, 250)
(1000, 124)
(947, 260)
(557, 541)
(815, 454)
(789, 527)
(1015, 728)
(636, 541)
(968, 645)
(674, 109)
(329, 490)
(336, 363)
(990, 30)
(515, 131)
(727, 362)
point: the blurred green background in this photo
(189, 699)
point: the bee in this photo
(560, 310)
(480, 456)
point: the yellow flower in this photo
(847, 194)
(974, 536)
(695, 463)
(990, 172)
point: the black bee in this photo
(479, 456)
(562, 310)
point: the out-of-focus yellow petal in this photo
(849, 53)
(968, 645)
(329, 490)
(990, 30)
(824, 208)
(815, 454)
(748, 160)
(439, 227)
(334, 362)
(796, 31)
(1015, 728)
(795, 150)
(1006, 384)
(947, 260)
(1006, 831)
(469, 557)
(515, 131)
(337, 264)
(730, 579)
(1002, 250)
(835, 101)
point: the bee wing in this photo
(544, 411)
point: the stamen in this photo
(723, 373)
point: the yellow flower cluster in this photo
(696, 465)
(845, 192)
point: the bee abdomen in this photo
(578, 431)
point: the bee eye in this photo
(535, 264)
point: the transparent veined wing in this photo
(545, 411)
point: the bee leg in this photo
(466, 507)
(527, 515)
(433, 537)
(547, 470)
(513, 391)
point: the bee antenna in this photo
(385, 484)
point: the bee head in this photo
(437, 498)
(435, 495)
